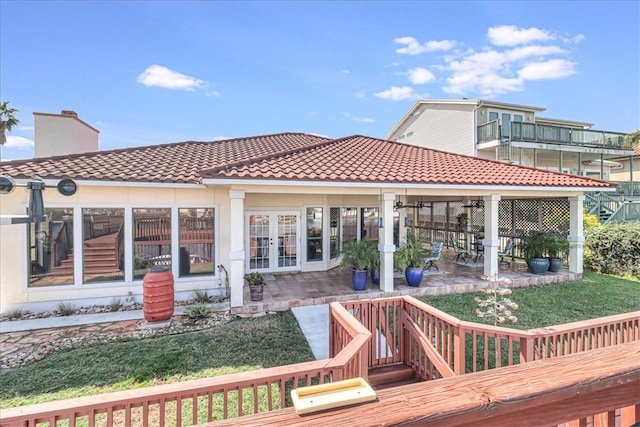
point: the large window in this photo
(103, 244)
(314, 234)
(196, 233)
(51, 249)
(151, 240)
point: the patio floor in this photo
(287, 290)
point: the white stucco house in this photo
(270, 203)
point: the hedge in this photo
(613, 249)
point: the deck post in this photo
(491, 238)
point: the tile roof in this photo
(291, 156)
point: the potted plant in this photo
(556, 248)
(356, 254)
(256, 284)
(533, 246)
(410, 258)
(374, 261)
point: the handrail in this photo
(629, 211)
(170, 402)
(570, 390)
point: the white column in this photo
(236, 246)
(576, 236)
(491, 238)
(386, 246)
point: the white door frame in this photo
(285, 244)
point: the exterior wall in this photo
(447, 127)
(14, 280)
(58, 135)
(623, 174)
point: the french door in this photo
(273, 241)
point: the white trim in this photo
(54, 182)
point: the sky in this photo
(145, 72)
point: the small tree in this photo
(7, 120)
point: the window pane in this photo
(151, 240)
(196, 241)
(370, 223)
(349, 224)
(314, 234)
(103, 248)
(51, 249)
(334, 233)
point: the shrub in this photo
(116, 304)
(196, 311)
(200, 296)
(66, 309)
(613, 249)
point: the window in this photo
(196, 231)
(314, 234)
(51, 249)
(370, 224)
(349, 224)
(103, 244)
(334, 233)
(151, 240)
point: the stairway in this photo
(100, 257)
(391, 376)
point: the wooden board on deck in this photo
(331, 395)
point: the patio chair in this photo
(465, 254)
(506, 252)
(434, 255)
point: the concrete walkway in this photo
(314, 322)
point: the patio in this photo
(287, 290)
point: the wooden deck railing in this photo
(199, 401)
(388, 331)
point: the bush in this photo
(613, 249)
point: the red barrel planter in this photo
(158, 295)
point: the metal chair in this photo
(434, 255)
(506, 252)
(465, 254)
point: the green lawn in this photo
(272, 340)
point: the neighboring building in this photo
(271, 203)
(63, 134)
(516, 134)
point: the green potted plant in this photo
(374, 261)
(533, 246)
(410, 258)
(356, 254)
(556, 249)
(256, 284)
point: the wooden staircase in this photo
(391, 376)
(100, 257)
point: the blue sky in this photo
(154, 72)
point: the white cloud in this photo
(157, 75)
(358, 119)
(551, 69)
(420, 75)
(346, 71)
(18, 143)
(213, 94)
(396, 93)
(413, 47)
(510, 35)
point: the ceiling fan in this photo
(478, 204)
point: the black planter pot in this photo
(555, 264)
(538, 265)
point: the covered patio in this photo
(295, 289)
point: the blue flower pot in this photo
(359, 279)
(414, 276)
(375, 277)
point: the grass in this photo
(274, 340)
(240, 345)
(595, 296)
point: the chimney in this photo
(63, 134)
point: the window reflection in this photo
(103, 245)
(51, 249)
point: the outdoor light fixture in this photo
(36, 185)
(419, 205)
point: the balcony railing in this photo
(399, 330)
(532, 132)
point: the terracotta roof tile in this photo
(291, 156)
